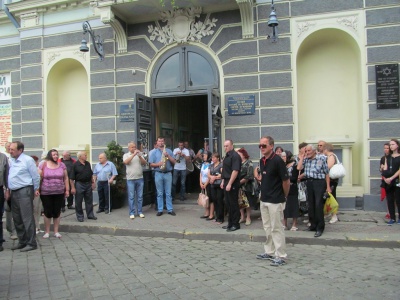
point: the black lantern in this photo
(97, 42)
(273, 22)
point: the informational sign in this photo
(5, 87)
(127, 113)
(241, 105)
(387, 86)
(5, 109)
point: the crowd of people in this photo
(32, 188)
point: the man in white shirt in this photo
(181, 156)
(134, 161)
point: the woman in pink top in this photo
(54, 188)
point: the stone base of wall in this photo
(347, 203)
(374, 203)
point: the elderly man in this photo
(182, 156)
(3, 187)
(23, 181)
(275, 185)
(133, 160)
(162, 161)
(231, 184)
(68, 162)
(82, 186)
(316, 173)
(104, 173)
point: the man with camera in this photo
(181, 156)
(317, 180)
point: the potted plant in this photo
(118, 190)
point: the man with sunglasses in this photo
(231, 184)
(275, 185)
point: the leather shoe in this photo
(93, 218)
(80, 220)
(28, 248)
(159, 214)
(99, 211)
(1, 248)
(226, 227)
(18, 246)
(63, 209)
(233, 228)
(318, 234)
(71, 207)
(309, 229)
(172, 213)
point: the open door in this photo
(145, 141)
(214, 120)
(144, 123)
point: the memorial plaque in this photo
(127, 113)
(387, 86)
(239, 105)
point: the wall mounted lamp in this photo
(273, 22)
(97, 42)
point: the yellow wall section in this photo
(68, 111)
(329, 91)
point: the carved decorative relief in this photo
(351, 22)
(29, 19)
(303, 27)
(52, 56)
(182, 26)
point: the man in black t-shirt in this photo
(275, 184)
(230, 184)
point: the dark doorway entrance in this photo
(183, 119)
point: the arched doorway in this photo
(66, 108)
(329, 91)
(185, 89)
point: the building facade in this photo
(205, 70)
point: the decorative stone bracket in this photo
(107, 16)
(246, 13)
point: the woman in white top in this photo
(204, 185)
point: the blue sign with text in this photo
(241, 105)
(127, 113)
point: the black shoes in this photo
(159, 214)
(99, 211)
(93, 218)
(318, 234)
(28, 248)
(172, 213)
(80, 220)
(1, 248)
(71, 207)
(18, 246)
(63, 209)
(225, 227)
(233, 228)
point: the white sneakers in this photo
(141, 215)
(132, 217)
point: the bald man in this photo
(104, 173)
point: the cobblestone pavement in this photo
(92, 266)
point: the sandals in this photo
(294, 229)
(46, 236)
(57, 235)
(209, 219)
(204, 217)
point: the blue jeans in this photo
(135, 188)
(163, 184)
(178, 173)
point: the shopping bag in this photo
(203, 199)
(331, 206)
(302, 191)
(242, 199)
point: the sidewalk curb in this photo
(190, 234)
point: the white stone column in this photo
(347, 180)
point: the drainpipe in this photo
(11, 17)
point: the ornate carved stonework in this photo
(303, 27)
(351, 22)
(29, 19)
(52, 56)
(181, 26)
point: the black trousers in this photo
(1, 214)
(104, 195)
(83, 192)
(315, 192)
(22, 212)
(392, 197)
(231, 202)
(217, 196)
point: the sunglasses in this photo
(263, 146)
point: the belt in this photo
(22, 188)
(314, 179)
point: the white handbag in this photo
(337, 170)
